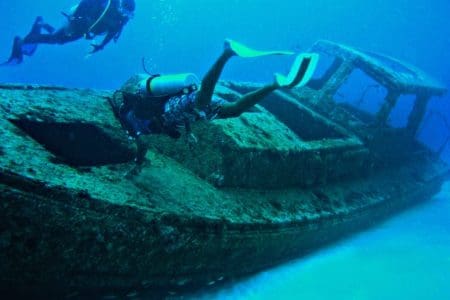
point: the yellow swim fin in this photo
(301, 71)
(246, 52)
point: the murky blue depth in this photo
(186, 36)
(407, 257)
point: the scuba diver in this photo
(164, 104)
(88, 19)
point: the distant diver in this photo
(164, 104)
(88, 19)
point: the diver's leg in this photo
(204, 95)
(235, 109)
(35, 34)
(39, 24)
(59, 37)
(47, 27)
(141, 151)
(301, 72)
(16, 56)
(70, 32)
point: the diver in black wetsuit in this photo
(165, 104)
(90, 18)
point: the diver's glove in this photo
(96, 48)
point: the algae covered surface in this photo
(251, 193)
(165, 185)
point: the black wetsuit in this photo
(86, 21)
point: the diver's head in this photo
(127, 7)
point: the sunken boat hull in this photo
(60, 248)
(276, 183)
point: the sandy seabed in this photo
(407, 257)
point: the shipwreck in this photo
(303, 169)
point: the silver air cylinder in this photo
(168, 84)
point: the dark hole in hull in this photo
(76, 144)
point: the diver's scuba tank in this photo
(169, 85)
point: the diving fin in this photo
(241, 50)
(26, 46)
(29, 49)
(16, 53)
(301, 71)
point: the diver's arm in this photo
(191, 139)
(118, 32)
(111, 35)
(97, 47)
(117, 35)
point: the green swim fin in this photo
(301, 71)
(245, 52)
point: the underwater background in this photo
(186, 36)
(407, 257)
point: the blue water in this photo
(407, 257)
(186, 36)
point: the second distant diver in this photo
(88, 19)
